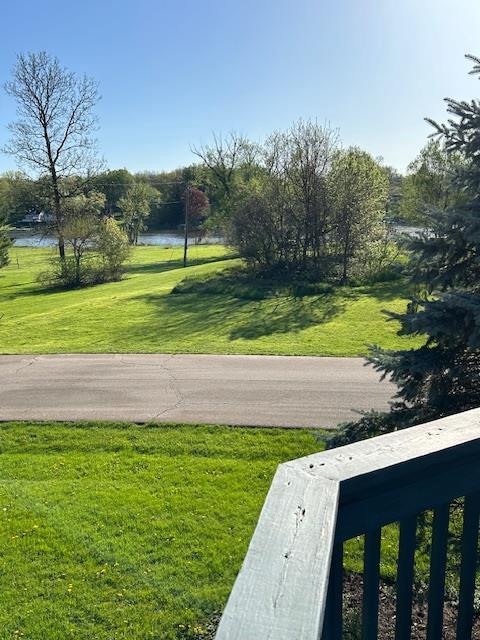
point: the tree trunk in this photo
(58, 213)
(61, 248)
(346, 248)
(77, 267)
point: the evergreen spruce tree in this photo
(443, 375)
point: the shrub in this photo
(99, 249)
(69, 273)
(113, 249)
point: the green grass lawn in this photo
(126, 531)
(139, 314)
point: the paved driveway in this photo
(239, 390)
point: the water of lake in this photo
(33, 238)
(174, 238)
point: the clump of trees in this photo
(97, 246)
(428, 189)
(442, 376)
(299, 204)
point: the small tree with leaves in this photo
(358, 189)
(80, 229)
(113, 249)
(135, 208)
(428, 189)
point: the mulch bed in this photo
(353, 596)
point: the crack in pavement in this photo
(25, 366)
(172, 386)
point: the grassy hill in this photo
(139, 314)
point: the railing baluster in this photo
(468, 566)
(438, 566)
(371, 581)
(333, 624)
(405, 573)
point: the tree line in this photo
(297, 203)
(290, 201)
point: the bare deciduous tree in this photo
(222, 157)
(53, 133)
(290, 199)
(300, 158)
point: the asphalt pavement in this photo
(238, 390)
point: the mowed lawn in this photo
(139, 314)
(128, 532)
(116, 531)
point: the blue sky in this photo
(171, 72)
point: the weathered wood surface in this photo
(363, 462)
(380, 506)
(280, 592)
(387, 478)
(281, 589)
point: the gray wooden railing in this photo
(290, 584)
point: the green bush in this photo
(98, 255)
(113, 249)
(69, 274)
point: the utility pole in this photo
(185, 244)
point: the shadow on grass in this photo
(385, 291)
(170, 265)
(288, 315)
(37, 289)
(203, 315)
(236, 305)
